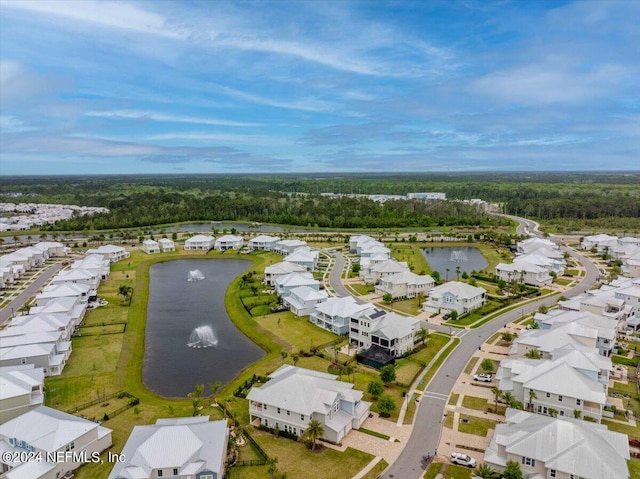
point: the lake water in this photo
(468, 258)
(176, 307)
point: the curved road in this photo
(429, 415)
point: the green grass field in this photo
(475, 425)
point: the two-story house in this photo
(454, 296)
(335, 313)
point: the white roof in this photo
(564, 380)
(458, 289)
(19, 381)
(342, 307)
(302, 256)
(303, 391)
(572, 446)
(296, 279)
(64, 289)
(165, 241)
(191, 445)
(292, 242)
(229, 239)
(521, 266)
(106, 249)
(48, 429)
(394, 326)
(389, 266)
(27, 351)
(150, 242)
(305, 293)
(408, 277)
(264, 239)
(200, 239)
(284, 268)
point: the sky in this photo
(101, 87)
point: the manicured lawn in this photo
(361, 288)
(433, 470)
(458, 472)
(634, 467)
(481, 404)
(297, 461)
(93, 355)
(106, 314)
(448, 420)
(438, 362)
(406, 371)
(453, 399)
(475, 425)
(470, 365)
(489, 307)
(408, 306)
(631, 431)
(298, 332)
(377, 470)
(496, 365)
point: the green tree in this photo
(284, 355)
(454, 315)
(532, 396)
(487, 365)
(295, 357)
(497, 394)
(387, 298)
(533, 354)
(355, 268)
(512, 471)
(386, 405)
(125, 292)
(577, 413)
(272, 467)
(507, 337)
(214, 386)
(375, 388)
(422, 335)
(485, 471)
(314, 432)
(388, 373)
(542, 309)
(552, 412)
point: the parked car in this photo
(446, 316)
(462, 459)
(484, 377)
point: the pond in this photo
(182, 317)
(466, 257)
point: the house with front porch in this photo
(226, 242)
(382, 269)
(166, 245)
(386, 333)
(524, 272)
(263, 243)
(74, 290)
(288, 246)
(562, 448)
(454, 296)
(111, 252)
(284, 284)
(405, 285)
(150, 246)
(302, 300)
(305, 257)
(54, 434)
(199, 243)
(295, 396)
(335, 313)
(275, 271)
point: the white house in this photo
(381, 270)
(21, 389)
(284, 284)
(263, 242)
(42, 322)
(532, 244)
(54, 434)
(150, 246)
(561, 448)
(111, 252)
(525, 272)
(184, 447)
(69, 306)
(53, 248)
(454, 296)
(199, 242)
(304, 257)
(166, 245)
(405, 285)
(382, 332)
(295, 396)
(61, 290)
(285, 247)
(228, 242)
(78, 276)
(335, 313)
(597, 241)
(303, 299)
(275, 271)
(554, 265)
(40, 355)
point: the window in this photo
(266, 423)
(578, 402)
(561, 413)
(552, 473)
(278, 410)
(71, 446)
(264, 406)
(175, 471)
(559, 398)
(159, 472)
(527, 461)
(548, 395)
(302, 417)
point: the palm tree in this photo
(125, 291)
(533, 354)
(457, 273)
(485, 471)
(532, 396)
(577, 413)
(422, 335)
(314, 432)
(508, 398)
(552, 412)
(447, 276)
(497, 395)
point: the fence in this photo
(264, 457)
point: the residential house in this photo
(454, 296)
(405, 285)
(532, 244)
(111, 252)
(184, 448)
(42, 322)
(12, 337)
(62, 290)
(40, 355)
(69, 306)
(150, 246)
(552, 265)
(599, 241)
(263, 242)
(229, 242)
(284, 284)
(285, 247)
(335, 313)
(275, 271)
(53, 248)
(382, 269)
(295, 396)
(94, 264)
(524, 272)
(304, 257)
(166, 245)
(562, 448)
(382, 336)
(55, 435)
(21, 389)
(199, 242)
(78, 276)
(302, 300)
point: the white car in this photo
(462, 459)
(482, 377)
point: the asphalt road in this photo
(29, 292)
(430, 413)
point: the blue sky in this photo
(274, 86)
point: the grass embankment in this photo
(448, 471)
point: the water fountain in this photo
(458, 256)
(195, 275)
(202, 337)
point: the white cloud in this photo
(162, 117)
(116, 15)
(307, 104)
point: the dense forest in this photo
(300, 199)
